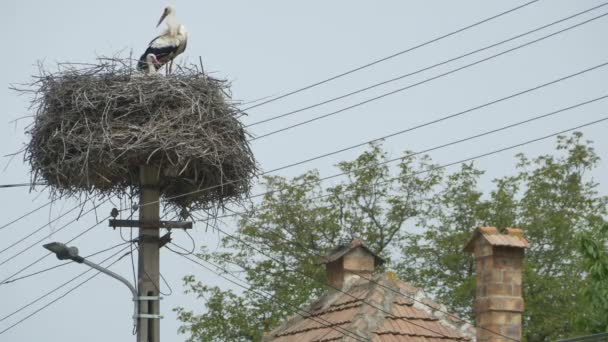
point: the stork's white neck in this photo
(172, 24)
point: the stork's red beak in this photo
(162, 17)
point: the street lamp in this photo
(64, 252)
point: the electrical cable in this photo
(393, 55)
(461, 161)
(46, 255)
(49, 235)
(275, 117)
(466, 66)
(61, 265)
(397, 133)
(18, 185)
(328, 285)
(261, 293)
(553, 23)
(325, 284)
(58, 298)
(485, 154)
(37, 230)
(428, 123)
(154, 282)
(58, 287)
(26, 215)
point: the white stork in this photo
(152, 64)
(168, 45)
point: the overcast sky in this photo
(267, 48)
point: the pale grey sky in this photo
(267, 48)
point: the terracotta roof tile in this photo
(403, 300)
(407, 321)
(405, 311)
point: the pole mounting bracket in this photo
(148, 298)
(148, 316)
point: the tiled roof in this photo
(342, 250)
(370, 311)
(511, 237)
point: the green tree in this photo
(290, 229)
(553, 200)
(419, 220)
(594, 248)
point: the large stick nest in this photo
(95, 125)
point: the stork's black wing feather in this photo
(163, 54)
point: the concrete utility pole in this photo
(149, 255)
(150, 242)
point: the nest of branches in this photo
(96, 125)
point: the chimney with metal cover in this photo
(350, 260)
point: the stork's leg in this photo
(171, 66)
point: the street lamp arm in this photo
(122, 280)
(113, 275)
(64, 252)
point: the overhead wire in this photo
(534, 41)
(560, 79)
(335, 288)
(487, 47)
(324, 284)
(399, 90)
(434, 168)
(476, 62)
(454, 142)
(37, 230)
(3, 318)
(61, 265)
(383, 59)
(48, 235)
(18, 185)
(261, 293)
(26, 215)
(46, 255)
(443, 118)
(59, 298)
(438, 167)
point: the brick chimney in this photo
(498, 298)
(348, 261)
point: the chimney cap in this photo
(344, 248)
(510, 237)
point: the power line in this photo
(36, 231)
(262, 293)
(393, 55)
(424, 171)
(400, 132)
(61, 265)
(553, 23)
(25, 215)
(18, 185)
(47, 236)
(58, 287)
(425, 68)
(439, 167)
(444, 118)
(342, 150)
(368, 279)
(58, 298)
(305, 122)
(46, 255)
(437, 147)
(322, 283)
